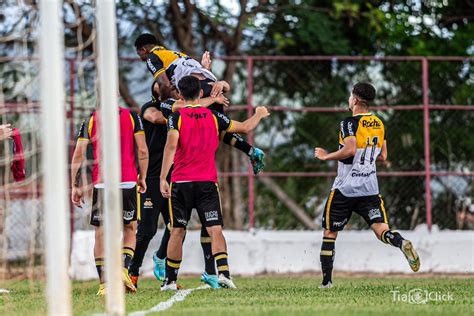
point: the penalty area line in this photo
(162, 306)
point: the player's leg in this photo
(209, 276)
(130, 215)
(147, 226)
(208, 207)
(256, 155)
(180, 212)
(372, 209)
(337, 213)
(99, 258)
(95, 221)
(159, 257)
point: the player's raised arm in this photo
(206, 60)
(245, 127)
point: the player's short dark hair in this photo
(189, 87)
(364, 91)
(145, 39)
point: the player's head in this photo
(362, 95)
(144, 43)
(190, 88)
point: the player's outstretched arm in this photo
(168, 157)
(249, 125)
(349, 150)
(142, 153)
(77, 159)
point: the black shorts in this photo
(129, 205)
(203, 196)
(207, 88)
(339, 208)
(153, 202)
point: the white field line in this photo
(162, 306)
(4, 291)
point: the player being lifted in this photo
(192, 142)
(362, 141)
(152, 202)
(132, 148)
(168, 67)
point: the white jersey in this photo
(176, 65)
(186, 67)
(357, 175)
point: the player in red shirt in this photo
(192, 142)
(132, 146)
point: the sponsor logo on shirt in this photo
(357, 174)
(371, 123)
(349, 128)
(128, 215)
(374, 213)
(171, 122)
(225, 118)
(211, 216)
(166, 105)
(150, 66)
(140, 123)
(197, 115)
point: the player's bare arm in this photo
(168, 157)
(166, 88)
(154, 116)
(205, 102)
(206, 60)
(77, 159)
(349, 150)
(384, 153)
(142, 154)
(219, 87)
(249, 125)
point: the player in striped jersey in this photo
(362, 141)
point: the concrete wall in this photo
(298, 251)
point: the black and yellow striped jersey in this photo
(356, 175)
(161, 59)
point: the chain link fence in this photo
(426, 104)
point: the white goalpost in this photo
(107, 64)
(51, 51)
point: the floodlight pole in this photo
(54, 158)
(107, 65)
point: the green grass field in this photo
(266, 295)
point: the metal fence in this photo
(425, 102)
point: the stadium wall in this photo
(262, 251)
